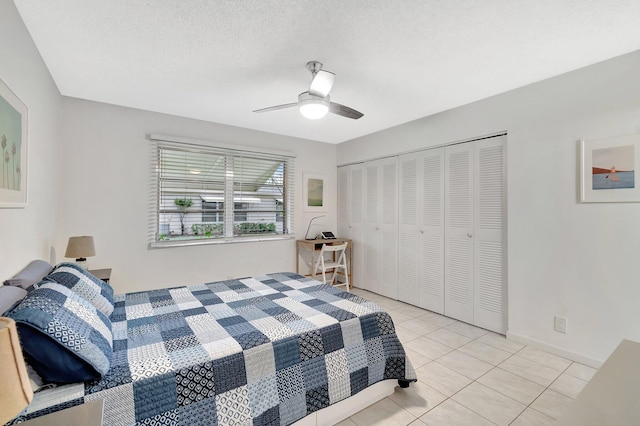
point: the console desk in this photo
(314, 246)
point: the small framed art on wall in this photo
(608, 170)
(314, 192)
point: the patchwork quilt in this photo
(266, 350)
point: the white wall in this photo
(580, 261)
(27, 233)
(105, 178)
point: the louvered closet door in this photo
(344, 213)
(355, 226)
(372, 232)
(389, 226)
(381, 226)
(459, 267)
(431, 230)
(490, 236)
(421, 229)
(409, 259)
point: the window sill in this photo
(209, 241)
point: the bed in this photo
(268, 350)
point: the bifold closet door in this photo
(409, 285)
(475, 235)
(381, 226)
(344, 215)
(432, 230)
(490, 235)
(459, 256)
(372, 238)
(421, 229)
(351, 217)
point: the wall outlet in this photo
(560, 325)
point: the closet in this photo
(435, 229)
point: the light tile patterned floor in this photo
(470, 376)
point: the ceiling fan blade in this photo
(273, 108)
(322, 83)
(344, 111)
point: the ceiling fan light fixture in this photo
(313, 110)
(313, 107)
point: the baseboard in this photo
(555, 350)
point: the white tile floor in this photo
(470, 376)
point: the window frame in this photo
(160, 142)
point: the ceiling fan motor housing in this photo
(314, 67)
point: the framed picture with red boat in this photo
(609, 168)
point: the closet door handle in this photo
(469, 235)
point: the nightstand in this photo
(87, 414)
(103, 274)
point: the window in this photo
(210, 194)
(214, 212)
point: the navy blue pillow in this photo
(52, 363)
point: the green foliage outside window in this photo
(183, 204)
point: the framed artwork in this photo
(609, 170)
(314, 192)
(13, 149)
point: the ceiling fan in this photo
(315, 102)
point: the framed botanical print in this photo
(314, 192)
(13, 149)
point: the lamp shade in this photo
(80, 247)
(15, 390)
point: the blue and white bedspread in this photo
(263, 351)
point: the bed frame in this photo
(348, 407)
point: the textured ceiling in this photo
(395, 61)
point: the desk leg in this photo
(308, 268)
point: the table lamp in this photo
(15, 391)
(80, 248)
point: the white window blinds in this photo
(205, 194)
